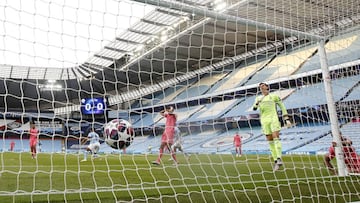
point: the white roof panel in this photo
(134, 37)
(37, 73)
(68, 74)
(111, 54)
(174, 11)
(77, 72)
(147, 28)
(100, 61)
(20, 72)
(128, 47)
(53, 73)
(162, 18)
(5, 71)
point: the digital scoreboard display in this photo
(93, 105)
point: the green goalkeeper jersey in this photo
(267, 106)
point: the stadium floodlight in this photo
(182, 20)
(51, 85)
(139, 48)
(152, 40)
(166, 33)
(164, 37)
(219, 5)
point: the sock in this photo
(85, 154)
(160, 155)
(173, 154)
(278, 147)
(273, 150)
(33, 151)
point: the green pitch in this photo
(204, 178)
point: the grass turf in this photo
(205, 178)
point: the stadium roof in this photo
(179, 37)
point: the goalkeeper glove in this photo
(287, 121)
(256, 106)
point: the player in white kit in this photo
(94, 145)
(178, 143)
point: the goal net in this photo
(118, 67)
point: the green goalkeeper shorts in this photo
(270, 125)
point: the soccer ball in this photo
(118, 134)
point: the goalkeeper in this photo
(267, 104)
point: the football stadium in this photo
(141, 101)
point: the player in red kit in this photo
(12, 145)
(352, 160)
(237, 144)
(167, 138)
(34, 133)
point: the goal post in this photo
(118, 67)
(332, 110)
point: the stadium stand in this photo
(322, 144)
(352, 131)
(354, 94)
(199, 87)
(151, 119)
(281, 67)
(291, 139)
(236, 77)
(146, 120)
(245, 106)
(262, 75)
(22, 145)
(179, 89)
(212, 111)
(184, 113)
(349, 52)
(307, 92)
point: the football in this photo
(118, 134)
